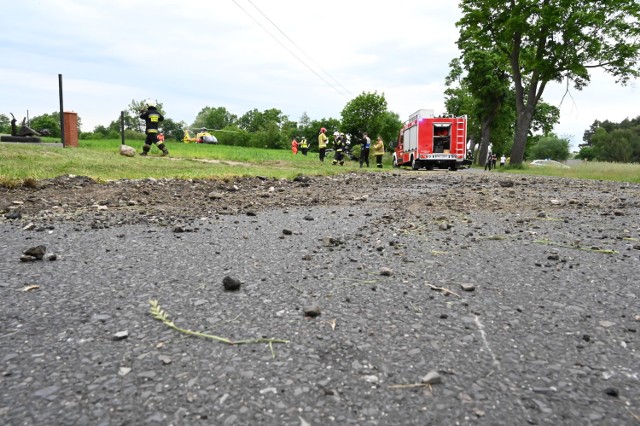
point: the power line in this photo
(299, 48)
(289, 50)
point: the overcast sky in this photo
(294, 56)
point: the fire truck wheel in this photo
(414, 164)
(453, 168)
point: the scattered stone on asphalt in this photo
(516, 340)
(37, 252)
(432, 378)
(612, 392)
(121, 335)
(311, 311)
(385, 271)
(231, 283)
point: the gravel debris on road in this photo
(366, 298)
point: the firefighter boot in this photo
(164, 149)
(145, 149)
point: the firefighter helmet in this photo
(150, 103)
(322, 130)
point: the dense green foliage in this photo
(609, 141)
(550, 147)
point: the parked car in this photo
(548, 163)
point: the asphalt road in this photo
(513, 305)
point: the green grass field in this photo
(100, 160)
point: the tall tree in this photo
(214, 118)
(5, 124)
(364, 113)
(254, 120)
(552, 40)
(488, 82)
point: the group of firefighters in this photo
(341, 142)
(341, 145)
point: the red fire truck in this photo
(432, 142)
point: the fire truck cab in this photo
(427, 141)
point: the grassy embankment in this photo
(101, 160)
(620, 172)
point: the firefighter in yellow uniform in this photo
(378, 151)
(322, 143)
(304, 145)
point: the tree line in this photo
(612, 142)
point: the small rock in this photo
(386, 272)
(311, 311)
(164, 359)
(127, 150)
(120, 335)
(28, 227)
(328, 241)
(37, 252)
(612, 392)
(308, 217)
(432, 378)
(51, 257)
(230, 283)
(287, 232)
(13, 215)
(468, 286)
(25, 258)
(371, 379)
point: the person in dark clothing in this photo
(339, 145)
(152, 119)
(365, 147)
(487, 164)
